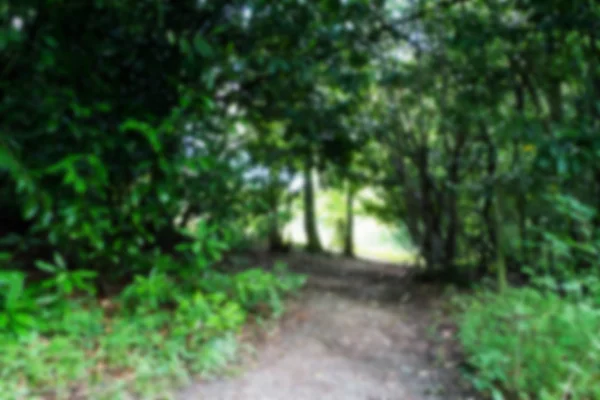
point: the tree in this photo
(121, 116)
(477, 130)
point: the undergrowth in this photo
(528, 343)
(60, 341)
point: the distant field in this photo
(372, 239)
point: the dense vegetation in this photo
(142, 141)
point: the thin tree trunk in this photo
(313, 242)
(431, 246)
(594, 110)
(452, 211)
(275, 239)
(555, 97)
(412, 200)
(521, 199)
(349, 231)
(500, 243)
(594, 76)
(489, 218)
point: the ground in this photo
(358, 332)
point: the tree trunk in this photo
(489, 251)
(313, 242)
(431, 246)
(412, 200)
(521, 196)
(555, 97)
(596, 220)
(500, 243)
(452, 211)
(349, 231)
(594, 111)
(276, 243)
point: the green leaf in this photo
(46, 267)
(104, 107)
(50, 41)
(202, 46)
(25, 320)
(15, 290)
(60, 261)
(171, 37)
(145, 129)
(164, 197)
(497, 395)
(31, 208)
(184, 45)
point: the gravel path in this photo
(356, 333)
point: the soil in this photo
(359, 331)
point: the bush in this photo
(256, 288)
(532, 344)
(17, 305)
(153, 336)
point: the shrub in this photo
(150, 291)
(17, 304)
(154, 335)
(532, 344)
(255, 289)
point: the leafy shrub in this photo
(288, 282)
(152, 291)
(17, 304)
(531, 344)
(154, 335)
(63, 282)
(210, 241)
(210, 315)
(255, 289)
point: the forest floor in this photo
(359, 331)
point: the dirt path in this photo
(356, 333)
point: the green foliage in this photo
(102, 168)
(64, 282)
(154, 290)
(255, 288)
(153, 336)
(566, 252)
(480, 126)
(541, 342)
(17, 304)
(530, 344)
(141, 140)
